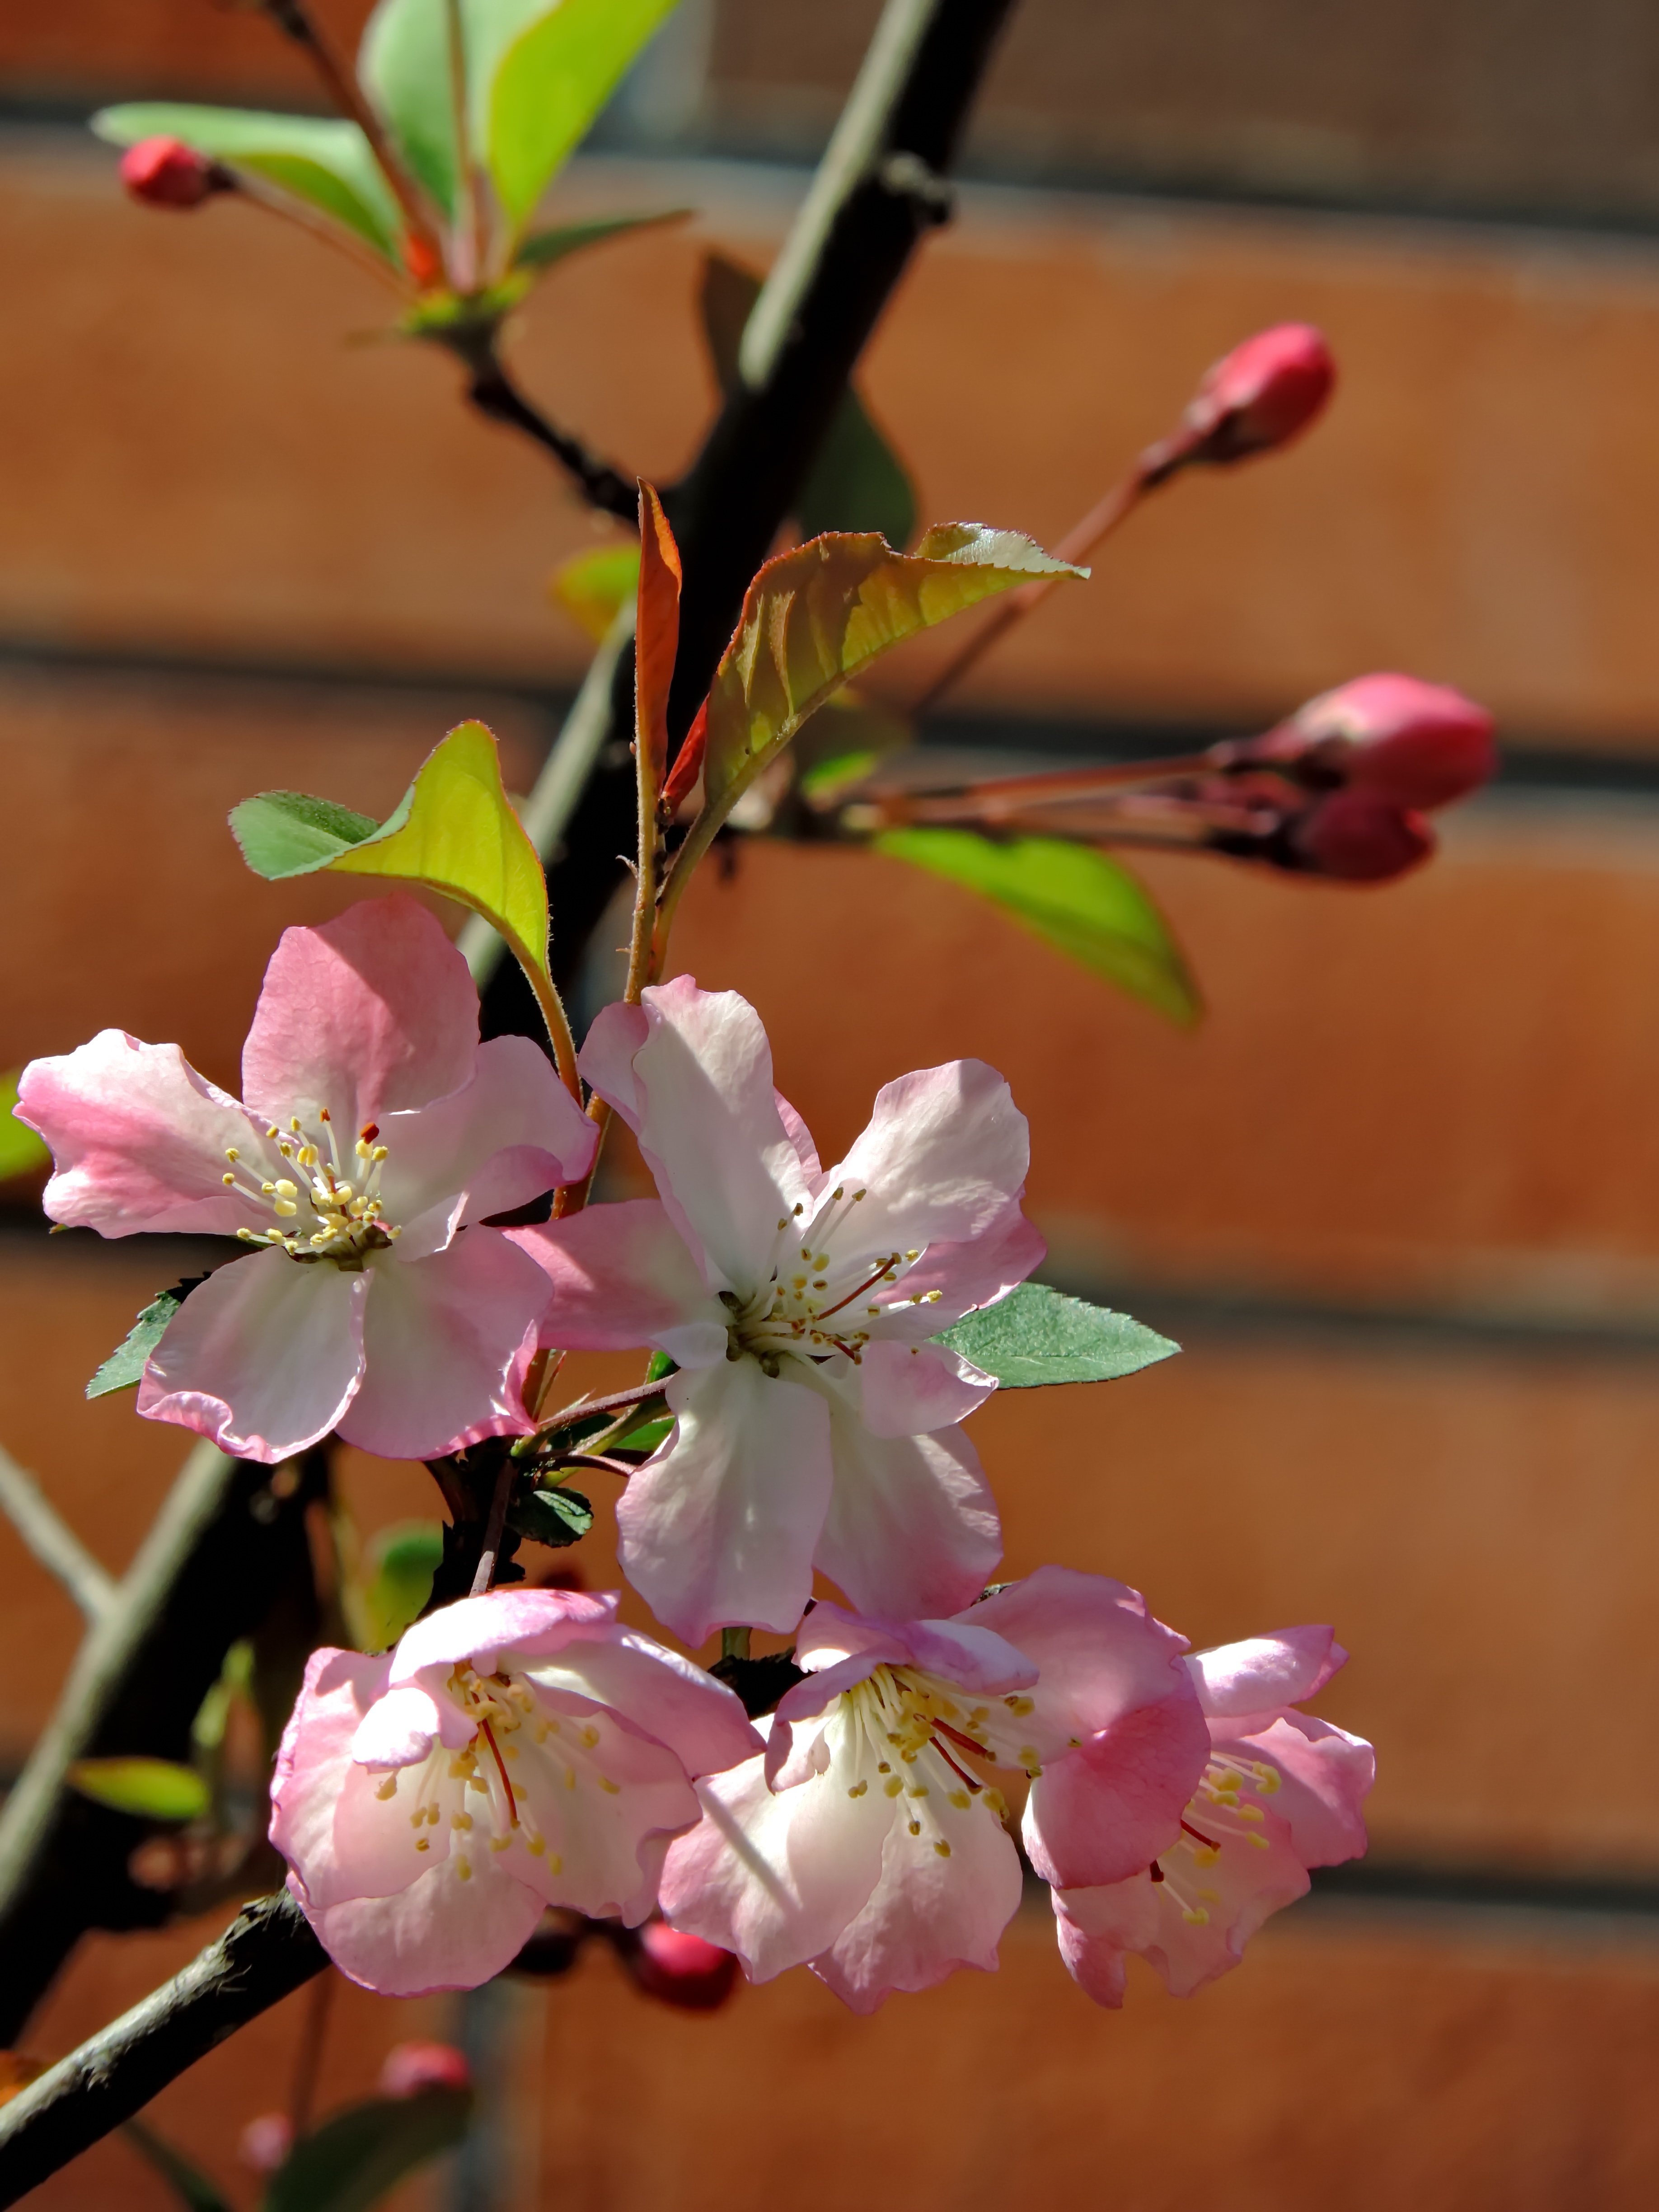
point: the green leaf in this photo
(401, 1562)
(814, 617)
(552, 81)
(594, 587)
(153, 1789)
(125, 1368)
(659, 1367)
(22, 1149)
(857, 482)
(193, 2187)
(454, 830)
(327, 164)
(645, 1437)
(542, 249)
(404, 65)
(1035, 1335)
(358, 2155)
(557, 1516)
(1079, 901)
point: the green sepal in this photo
(1036, 1335)
(125, 1368)
(22, 1149)
(556, 1518)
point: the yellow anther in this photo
(463, 1869)
(1206, 1854)
(1266, 1779)
(1251, 1813)
(1020, 1706)
(893, 1786)
(500, 1843)
(590, 1737)
(613, 1787)
(231, 1152)
(1260, 1842)
(961, 1800)
(387, 1788)
(884, 1768)
(1195, 1915)
(917, 1790)
(460, 1821)
(228, 1181)
(285, 1208)
(537, 1845)
(423, 1843)
(995, 1801)
(908, 1256)
(858, 1789)
(284, 1189)
(942, 1848)
(915, 1827)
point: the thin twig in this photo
(484, 1574)
(101, 1662)
(494, 393)
(53, 1543)
(267, 1952)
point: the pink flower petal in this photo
(400, 1728)
(966, 1277)
(370, 1014)
(314, 1760)
(907, 1390)
(1327, 1774)
(139, 1139)
(697, 1093)
(446, 1341)
(265, 1357)
(776, 1879)
(622, 1275)
(912, 1531)
(510, 1133)
(440, 1933)
(1262, 1672)
(945, 1150)
(674, 1701)
(927, 1915)
(522, 1621)
(1100, 1812)
(967, 1651)
(1098, 1650)
(719, 1526)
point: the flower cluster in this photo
(521, 1748)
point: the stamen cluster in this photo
(348, 1212)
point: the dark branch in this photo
(267, 1952)
(492, 392)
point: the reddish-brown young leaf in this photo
(657, 633)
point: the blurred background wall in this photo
(1399, 1197)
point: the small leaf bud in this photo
(411, 2067)
(166, 173)
(680, 1969)
(1410, 744)
(1253, 400)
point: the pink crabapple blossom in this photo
(1268, 391)
(166, 173)
(377, 1133)
(815, 1424)
(1394, 738)
(868, 1841)
(515, 1751)
(1281, 1792)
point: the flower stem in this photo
(485, 1572)
(734, 1643)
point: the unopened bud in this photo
(1255, 400)
(421, 260)
(266, 2142)
(1353, 837)
(1412, 744)
(411, 2067)
(681, 1969)
(166, 173)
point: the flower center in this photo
(821, 1289)
(1217, 1816)
(334, 1210)
(517, 1782)
(911, 1735)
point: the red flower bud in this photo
(166, 173)
(421, 262)
(1414, 745)
(1257, 397)
(411, 2067)
(680, 1969)
(1354, 837)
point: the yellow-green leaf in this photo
(153, 1789)
(550, 83)
(594, 587)
(1080, 900)
(454, 831)
(816, 617)
(21, 1151)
